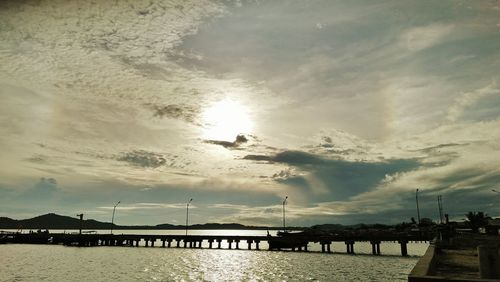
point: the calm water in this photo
(59, 263)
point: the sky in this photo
(344, 107)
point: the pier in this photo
(292, 242)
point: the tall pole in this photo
(284, 224)
(440, 207)
(418, 210)
(113, 217)
(81, 222)
(187, 215)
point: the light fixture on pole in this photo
(284, 224)
(187, 215)
(113, 216)
(418, 210)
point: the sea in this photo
(23, 262)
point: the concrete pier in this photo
(292, 243)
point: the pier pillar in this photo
(178, 243)
(404, 248)
(237, 244)
(257, 242)
(163, 243)
(375, 247)
(328, 247)
(191, 244)
(200, 243)
(169, 243)
(219, 243)
(323, 248)
(185, 244)
(137, 243)
(153, 242)
(249, 244)
(147, 242)
(350, 247)
(210, 241)
(230, 242)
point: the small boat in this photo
(287, 240)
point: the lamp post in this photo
(187, 215)
(81, 222)
(418, 210)
(284, 203)
(440, 208)
(113, 216)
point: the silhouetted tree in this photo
(426, 222)
(476, 220)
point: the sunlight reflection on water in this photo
(58, 263)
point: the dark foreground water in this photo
(59, 263)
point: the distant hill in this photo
(55, 221)
(51, 221)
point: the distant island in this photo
(55, 221)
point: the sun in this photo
(225, 119)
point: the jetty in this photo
(460, 257)
(291, 241)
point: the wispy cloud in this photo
(148, 206)
(468, 99)
(423, 37)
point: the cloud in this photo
(423, 37)
(183, 112)
(325, 179)
(354, 104)
(143, 158)
(147, 206)
(240, 139)
(468, 99)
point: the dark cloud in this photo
(296, 158)
(47, 185)
(440, 146)
(174, 111)
(240, 139)
(39, 159)
(143, 159)
(339, 179)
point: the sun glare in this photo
(225, 119)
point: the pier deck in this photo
(295, 242)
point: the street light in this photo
(113, 217)
(187, 215)
(418, 210)
(284, 203)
